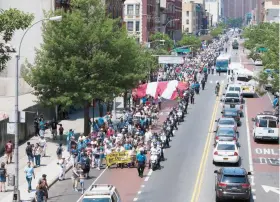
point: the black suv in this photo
(232, 183)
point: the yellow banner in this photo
(118, 157)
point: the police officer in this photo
(141, 161)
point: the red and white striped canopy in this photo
(166, 89)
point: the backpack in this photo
(59, 151)
(9, 147)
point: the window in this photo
(129, 26)
(272, 124)
(226, 147)
(188, 30)
(129, 9)
(137, 9)
(234, 179)
(114, 197)
(137, 26)
(188, 22)
(188, 13)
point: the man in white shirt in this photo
(148, 136)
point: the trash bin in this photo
(11, 180)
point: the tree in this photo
(156, 43)
(87, 56)
(216, 31)
(265, 35)
(10, 21)
(190, 40)
(234, 22)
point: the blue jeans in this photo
(29, 180)
(37, 160)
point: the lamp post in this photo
(16, 195)
(164, 29)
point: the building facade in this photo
(212, 7)
(271, 11)
(237, 8)
(189, 18)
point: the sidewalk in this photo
(49, 163)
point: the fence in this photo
(26, 130)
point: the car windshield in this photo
(232, 95)
(96, 200)
(232, 100)
(272, 124)
(226, 147)
(225, 132)
(222, 63)
(234, 179)
(234, 89)
(226, 122)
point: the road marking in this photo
(253, 190)
(139, 192)
(254, 197)
(271, 189)
(269, 97)
(148, 175)
(251, 167)
(200, 174)
(135, 199)
(92, 183)
(142, 186)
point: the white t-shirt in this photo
(148, 136)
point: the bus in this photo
(222, 63)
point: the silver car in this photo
(225, 134)
(226, 123)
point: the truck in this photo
(235, 44)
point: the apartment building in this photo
(189, 18)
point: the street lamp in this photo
(167, 24)
(16, 195)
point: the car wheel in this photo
(255, 140)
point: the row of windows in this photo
(130, 26)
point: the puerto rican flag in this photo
(166, 89)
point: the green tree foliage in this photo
(86, 56)
(265, 35)
(216, 31)
(190, 40)
(10, 21)
(157, 44)
(234, 22)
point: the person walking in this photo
(29, 173)
(40, 193)
(29, 153)
(61, 130)
(37, 154)
(59, 152)
(3, 177)
(62, 165)
(54, 128)
(159, 101)
(75, 176)
(141, 161)
(9, 148)
(45, 186)
(43, 145)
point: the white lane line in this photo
(142, 186)
(251, 167)
(254, 197)
(139, 192)
(252, 180)
(135, 199)
(148, 175)
(92, 183)
(253, 190)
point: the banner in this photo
(118, 157)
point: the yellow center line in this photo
(201, 170)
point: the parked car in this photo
(226, 123)
(232, 183)
(266, 127)
(225, 134)
(236, 103)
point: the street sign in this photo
(11, 128)
(271, 189)
(12, 118)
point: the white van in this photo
(101, 193)
(245, 79)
